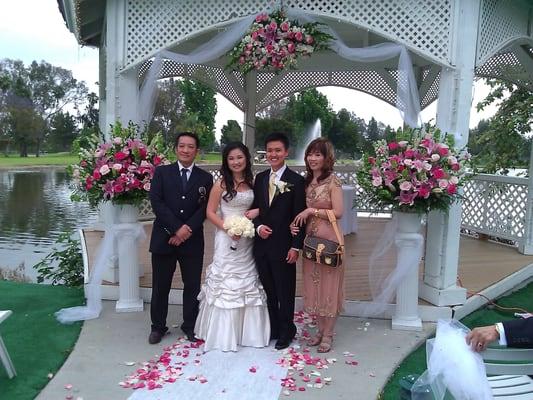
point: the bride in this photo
(233, 308)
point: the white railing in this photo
(493, 205)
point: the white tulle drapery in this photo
(407, 102)
(386, 271)
(92, 289)
(452, 366)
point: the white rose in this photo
(454, 180)
(435, 157)
(117, 140)
(104, 170)
(117, 167)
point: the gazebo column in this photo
(120, 99)
(453, 116)
(250, 88)
(526, 246)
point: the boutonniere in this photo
(283, 187)
(203, 194)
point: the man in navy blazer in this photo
(178, 194)
(513, 333)
(275, 249)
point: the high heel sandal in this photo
(315, 340)
(325, 344)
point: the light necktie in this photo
(271, 187)
(184, 178)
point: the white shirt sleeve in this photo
(501, 330)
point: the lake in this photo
(35, 208)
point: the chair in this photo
(4, 355)
(508, 369)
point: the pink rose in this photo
(284, 26)
(273, 25)
(298, 36)
(120, 156)
(118, 188)
(309, 39)
(259, 17)
(242, 60)
(456, 167)
(393, 145)
(146, 186)
(371, 160)
(405, 185)
(442, 151)
(451, 189)
(438, 173)
(291, 47)
(117, 167)
(443, 183)
(254, 37)
(96, 175)
(117, 140)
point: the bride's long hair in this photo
(227, 176)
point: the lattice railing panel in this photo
(505, 66)
(496, 206)
(501, 20)
(431, 94)
(152, 25)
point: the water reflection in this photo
(35, 208)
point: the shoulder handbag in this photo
(325, 251)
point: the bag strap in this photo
(333, 221)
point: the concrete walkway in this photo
(107, 344)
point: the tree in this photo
(25, 125)
(265, 126)
(503, 144)
(371, 136)
(90, 116)
(43, 88)
(304, 109)
(199, 100)
(344, 132)
(231, 132)
(168, 110)
(63, 131)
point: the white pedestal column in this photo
(108, 217)
(408, 241)
(128, 261)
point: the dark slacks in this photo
(163, 267)
(279, 281)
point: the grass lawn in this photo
(415, 363)
(45, 159)
(37, 343)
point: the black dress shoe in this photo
(190, 335)
(155, 337)
(282, 344)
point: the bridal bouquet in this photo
(119, 170)
(238, 225)
(274, 42)
(418, 172)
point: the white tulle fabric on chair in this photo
(407, 93)
(452, 367)
(92, 289)
(386, 271)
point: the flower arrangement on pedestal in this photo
(418, 172)
(119, 170)
(275, 43)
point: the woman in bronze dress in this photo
(323, 285)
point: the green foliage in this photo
(63, 132)
(344, 133)
(231, 132)
(169, 109)
(64, 265)
(201, 106)
(503, 144)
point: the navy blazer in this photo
(279, 214)
(173, 207)
(519, 332)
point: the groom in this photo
(178, 195)
(280, 195)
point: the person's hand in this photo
(174, 241)
(264, 232)
(252, 214)
(184, 233)
(292, 256)
(294, 229)
(300, 219)
(479, 338)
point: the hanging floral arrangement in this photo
(419, 171)
(274, 43)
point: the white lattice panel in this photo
(501, 20)
(212, 76)
(496, 206)
(507, 67)
(155, 24)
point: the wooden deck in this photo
(481, 263)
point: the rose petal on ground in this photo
(129, 363)
(68, 386)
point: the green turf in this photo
(37, 343)
(415, 363)
(45, 159)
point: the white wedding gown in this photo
(233, 307)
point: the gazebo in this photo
(450, 42)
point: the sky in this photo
(35, 30)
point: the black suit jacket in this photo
(173, 207)
(519, 332)
(278, 216)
